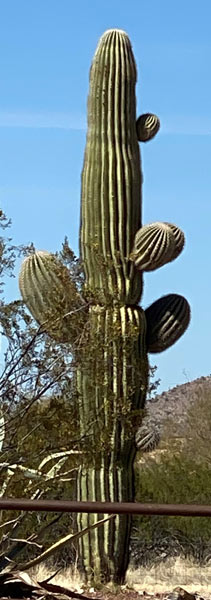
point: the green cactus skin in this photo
(112, 376)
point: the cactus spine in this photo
(115, 249)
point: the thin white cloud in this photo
(186, 125)
(42, 120)
(170, 124)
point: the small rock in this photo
(180, 594)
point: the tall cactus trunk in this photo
(104, 552)
(112, 389)
(111, 392)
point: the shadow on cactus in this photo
(115, 250)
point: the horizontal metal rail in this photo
(118, 508)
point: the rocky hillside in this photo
(175, 403)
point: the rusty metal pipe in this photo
(135, 508)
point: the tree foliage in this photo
(39, 428)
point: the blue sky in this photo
(46, 48)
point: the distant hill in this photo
(175, 403)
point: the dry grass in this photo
(69, 577)
(170, 574)
(157, 579)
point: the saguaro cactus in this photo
(115, 249)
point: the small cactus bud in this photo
(147, 126)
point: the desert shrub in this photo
(174, 479)
(48, 427)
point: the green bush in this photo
(174, 479)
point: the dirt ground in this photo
(158, 582)
(169, 594)
(127, 595)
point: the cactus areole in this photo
(115, 249)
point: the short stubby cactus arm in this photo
(111, 177)
(147, 126)
(167, 319)
(155, 245)
(51, 296)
